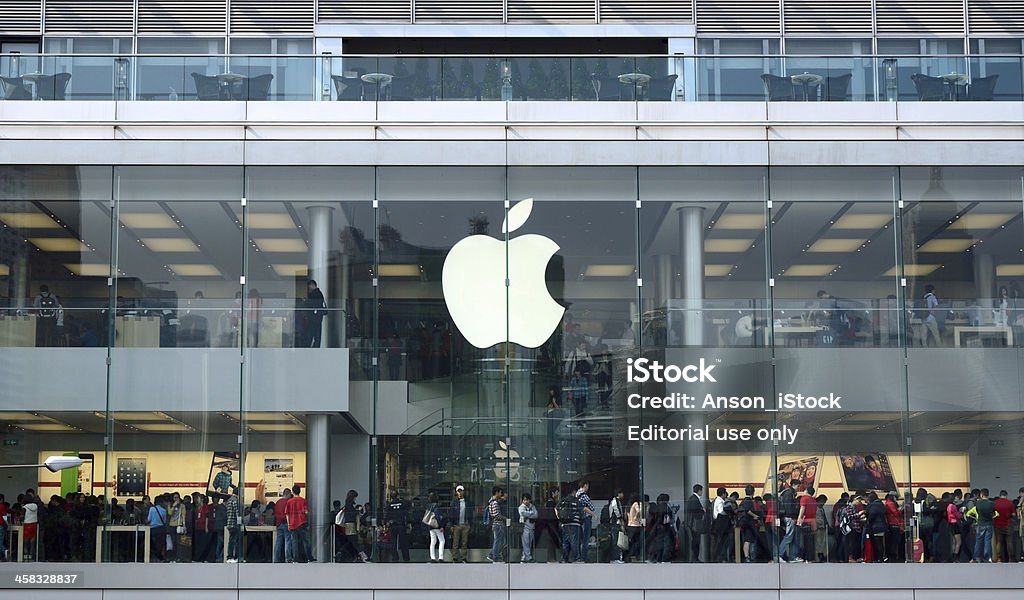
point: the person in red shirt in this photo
(298, 529)
(807, 522)
(283, 545)
(1002, 539)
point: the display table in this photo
(1004, 330)
(17, 331)
(132, 528)
(137, 332)
(271, 529)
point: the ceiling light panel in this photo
(947, 245)
(981, 221)
(399, 270)
(717, 270)
(170, 244)
(862, 221)
(148, 221)
(281, 245)
(269, 221)
(89, 269)
(837, 245)
(808, 270)
(912, 270)
(609, 270)
(290, 270)
(732, 222)
(727, 245)
(59, 245)
(1009, 270)
(22, 220)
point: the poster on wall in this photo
(803, 470)
(867, 472)
(131, 477)
(224, 474)
(278, 474)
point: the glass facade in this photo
(850, 330)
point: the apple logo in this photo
(507, 455)
(483, 308)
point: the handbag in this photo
(180, 530)
(430, 519)
(623, 541)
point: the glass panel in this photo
(178, 314)
(441, 407)
(961, 245)
(703, 249)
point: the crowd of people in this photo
(795, 526)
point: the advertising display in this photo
(867, 472)
(224, 474)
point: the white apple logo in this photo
(511, 457)
(473, 280)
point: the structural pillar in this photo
(691, 251)
(319, 257)
(20, 276)
(985, 280)
(318, 484)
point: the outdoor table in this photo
(806, 81)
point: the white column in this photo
(320, 243)
(318, 484)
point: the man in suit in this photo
(694, 520)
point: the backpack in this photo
(845, 527)
(48, 306)
(921, 306)
(606, 517)
(487, 513)
(787, 503)
(569, 509)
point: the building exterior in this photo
(809, 215)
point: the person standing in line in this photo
(297, 512)
(570, 518)
(1019, 504)
(528, 517)
(232, 531)
(807, 522)
(549, 525)
(397, 519)
(461, 519)
(788, 508)
(316, 309)
(876, 527)
(436, 529)
(1002, 541)
(587, 508)
(749, 521)
(497, 518)
(984, 512)
(617, 521)
(283, 550)
(158, 530)
(634, 529)
(851, 524)
(694, 523)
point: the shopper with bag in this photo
(433, 520)
(618, 539)
(528, 518)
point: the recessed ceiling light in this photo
(740, 221)
(808, 270)
(947, 245)
(727, 245)
(89, 270)
(59, 245)
(28, 220)
(917, 270)
(1009, 270)
(861, 221)
(981, 221)
(161, 427)
(262, 416)
(276, 427)
(148, 221)
(836, 245)
(609, 270)
(717, 270)
(170, 244)
(44, 426)
(22, 416)
(399, 270)
(184, 270)
(290, 270)
(281, 245)
(269, 221)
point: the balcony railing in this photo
(422, 78)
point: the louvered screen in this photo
(158, 17)
(919, 17)
(271, 16)
(365, 10)
(995, 16)
(827, 16)
(20, 16)
(90, 16)
(646, 10)
(459, 11)
(551, 11)
(738, 16)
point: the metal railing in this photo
(605, 78)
